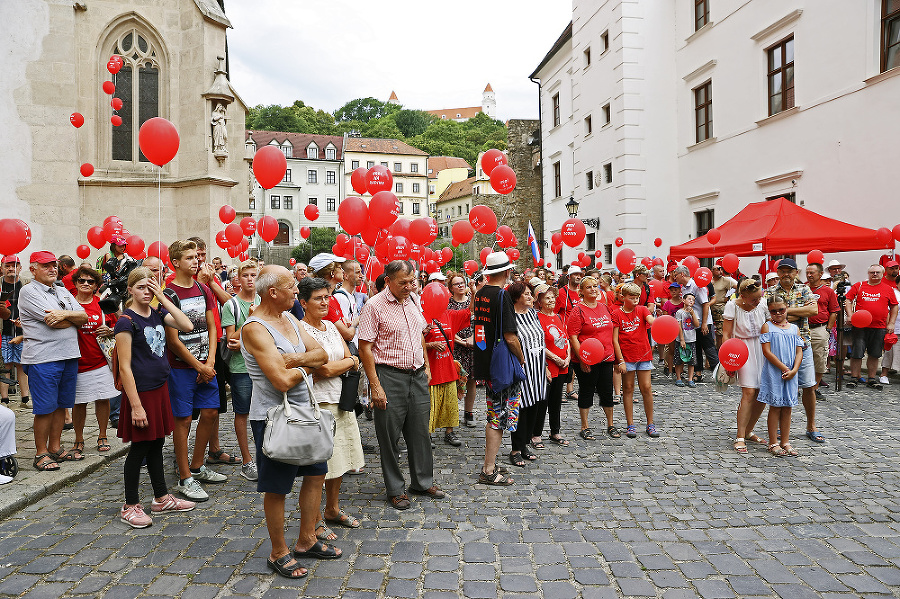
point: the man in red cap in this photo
(11, 343)
(50, 318)
(891, 271)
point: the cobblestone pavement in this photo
(678, 516)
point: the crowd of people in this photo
(187, 338)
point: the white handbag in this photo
(299, 435)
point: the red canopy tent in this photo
(780, 227)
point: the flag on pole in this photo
(532, 242)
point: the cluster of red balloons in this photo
(234, 239)
(114, 64)
(494, 165)
(112, 227)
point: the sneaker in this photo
(631, 431)
(206, 475)
(452, 439)
(680, 383)
(691, 384)
(135, 517)
(192, 490)
(884, 380)
(819, 396)
(470, 420)
(249, 472)
(171, 504)
(651, 430)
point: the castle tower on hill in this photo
(489, 102)
(488, 106)
(393, 99)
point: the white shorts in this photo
(95, 384)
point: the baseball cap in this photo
(787, 263)
(541, 289)
(574, 270)
(118, 240)
(891, 263)
(320, 261)
(11, 258)
(42, 257)
(674, 286)
(437, 276)
(535, 281)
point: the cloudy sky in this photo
(433, 54)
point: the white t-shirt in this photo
(348, 309)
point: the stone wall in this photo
(516, 209)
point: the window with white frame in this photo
(312, 151)
(287, 176)
(398, 187)
(398, 167)
(416, 188)
(329, 204)
(288, 149)
(414, 167)
(354, 164)
(288, 202)
(416, 208)
(330, 177)
(312, 176)
(329, 153)
(275, 202)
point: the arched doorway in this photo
(284, 234)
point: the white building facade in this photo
(666, 120)
(406, 163)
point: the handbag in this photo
(505, 367)
(299, 435)
(350, 384)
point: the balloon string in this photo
(159, 211)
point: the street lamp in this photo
(572, 209)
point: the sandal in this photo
(526, 453)
(537, 444)
(613, 432)
(281, 566)
(873, 384)
(789, 451)
(78, 449)
(515, 458)
(739, 445)
(215, 457)
(63, 455)
(559, 441)
(573, 396)
(586, 434)
(319, 551)
(852, 383)
(495, 478)
(756, 439)
(45, 466)
(103, 444)
(344, 520)
(327, 534)
(776, 450)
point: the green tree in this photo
(272, 118)
(412, 122)
(320, 240)
(383, 127)
(364, 110)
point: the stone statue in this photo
(219, 133)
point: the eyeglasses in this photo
(460, 284)
(778, 311)
(85, 281)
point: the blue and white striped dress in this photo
(531, 336)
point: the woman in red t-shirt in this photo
(591, 319)
(558, 357)
(95, 379)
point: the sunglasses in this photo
(778, 311)
(85, 281)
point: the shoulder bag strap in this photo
(500, 318)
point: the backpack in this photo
(117, 376)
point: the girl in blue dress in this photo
(781, 345)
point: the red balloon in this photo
(490, 159)
(658, 262)
(267, 228)
(555, 249)
(556, 238)
(370, 232)
(112, 219)
(861, 319)
(896, 232)
(109, 88)
(702, 276)
(454, 243)
(362, 253)
(244, 244)
(342, 239)
(383, 208)
(398, 248)
(248, 225)
(619, 242)
(446, 255)
(159, 250)
(234, 234)
(733, 354)
(586, 261)
(116, 103)
(503, 179)
(484, 254)
(311, 212)
(87, 169)
(598, 254)
(731, 263)
(884, 236)
(83, 251)
(292, 261)
(462, 232)
(222, 240)
(431, 266)
(114, 64)
(374, 268)
(158, 140)
(95, 237)
(592, 351)
(358, 180)
(135, 246)
(423, 231)
(226, 214)
(573, 232)
(435, 298)
(116, 120)
(549, 264)
(111, 228)
(269, 166)
(234, 251)
(483, 219)
(400, 227)
(626, 260)
(815, 257)
(353, 214)
(379, 178)
(647, 261)
(657, 242)
(713, 236)
(513, 254)
(76, 119)
(504, 236)
(304, 232)
(692, 264)
(470, 266)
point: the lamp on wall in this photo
(572, 209)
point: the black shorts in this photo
(599, 380)
(868, 340)
(278, 477)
